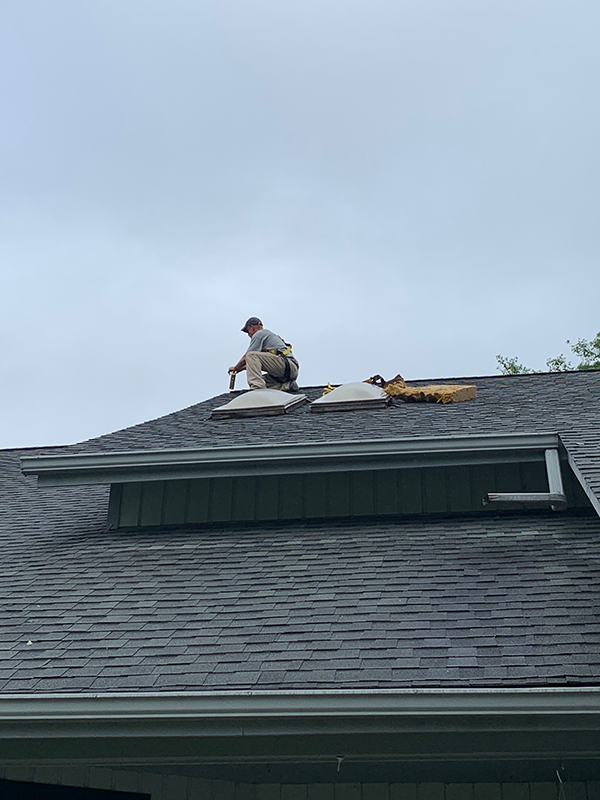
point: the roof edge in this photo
(126, 466)
(317, 703)
(591, 495)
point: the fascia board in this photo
(127, 466)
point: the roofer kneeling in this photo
(267, 353)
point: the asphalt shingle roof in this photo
(564, 402)
(510, 599)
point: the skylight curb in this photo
(351, 397)
(248, 404)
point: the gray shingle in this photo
(562, 402)
(512, 599)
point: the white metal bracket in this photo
(555, 498)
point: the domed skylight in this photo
(351, 396)
(259, 402)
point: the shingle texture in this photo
(567, 403)
(509, 600)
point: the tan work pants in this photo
(273, 365)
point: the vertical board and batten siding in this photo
(175, 787)
(326, 495)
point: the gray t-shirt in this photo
(267, 340)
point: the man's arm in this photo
(256, 343)
(240, 366)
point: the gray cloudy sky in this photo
(393, 185)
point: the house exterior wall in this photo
(174, 787)
(455, 489)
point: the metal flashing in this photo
(276, 459)
(257, 403)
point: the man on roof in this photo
(268, 354)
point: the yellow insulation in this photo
(433, 393)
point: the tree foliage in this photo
(511, 366)
(587, 352)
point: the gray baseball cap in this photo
(251, 321)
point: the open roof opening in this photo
(258, 402)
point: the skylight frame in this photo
(231, 411)
(328, 402)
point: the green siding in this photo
(431, 490)
(267, 497)
(531, 478)
(543, 791)
(130, 505)
(244, 499)
(375, 791)
(319, 791)
(508, 478)
(460, 791)
(173, 787)
(434, 490)
(362, 494)
(175, 501)
(515, 791)
(198, 501)
(291, 497)
(221, 507)
(487, 791)
(293, 792)
(152, 500)
(348, 791)
(386, 492)
(338, 494)
(482, 477)
(315, 496)
(410, 484)
(459, 489)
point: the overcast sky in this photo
(393, 185)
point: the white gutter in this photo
(127, 466)
(495, 702)
(301, 727)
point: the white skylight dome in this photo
(351, 396)
(259, 402)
